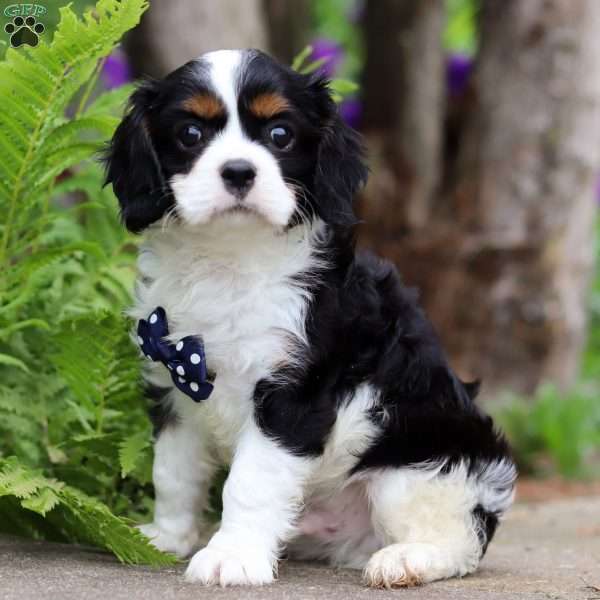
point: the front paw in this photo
(182, 545)
(213, 566)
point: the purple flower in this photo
(115, 71)
(351, 111)
(324, 48)
(458, 70)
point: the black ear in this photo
(472, 388)
(132, 165)
(340, 170)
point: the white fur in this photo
(351, 435)
(181, 473)
(335, 524)
(261, 499)
(237, 292)
(201, 194)
(495, 485)
(232, 282)
(230, 279)
(235, 287)
(426, 519)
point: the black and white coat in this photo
(348, 436)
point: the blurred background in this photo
(482, 123)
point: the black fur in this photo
(363, 325)
(328, 178)
(133, 166)
(487, 523)
(142, 155)
(160, 411)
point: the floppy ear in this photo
(340, 171)
(133, 168)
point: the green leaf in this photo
(311, 67)
(93, 358)
(61, 260)
(17, 480)
(67, 133)
(343, 86)
(36, 85)
(12, 361)
(83, 518)
(39, 323)
(461, 26)
(111, 103)
(131, 451)
(42, 502)
(301, 57)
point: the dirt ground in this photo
(544, 550)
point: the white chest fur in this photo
(235, 285)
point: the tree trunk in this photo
(403, 110)
(505, 256)
(289, 27)
(171, 33)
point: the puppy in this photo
(348, 436)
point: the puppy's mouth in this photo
(240, 209)
(240, 213)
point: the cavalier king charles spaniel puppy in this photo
(277, 349)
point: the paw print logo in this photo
(24, 31)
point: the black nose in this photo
(238, 176)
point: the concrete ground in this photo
(543, 551)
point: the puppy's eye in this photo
(190, 135)
(281, 136)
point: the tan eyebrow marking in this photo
(267, 105)
(206, 106)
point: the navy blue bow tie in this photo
(185, 359)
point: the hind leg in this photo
(435, 525)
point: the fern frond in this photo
(21, 279)
(65, 272)
(11, 400)
(69, 132)
(74, 513)
(56, 161)
(12, 361)
(94, 357)
(17, 481)
(39, 83)
(131, 450)
(110, 103)
(84, 180)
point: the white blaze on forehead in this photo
(224, 73)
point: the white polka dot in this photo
(169, 367)
(140, 340)
(180, 370)
(148, 357)
(153, 318)
(195, 358)
(179, 346)
(194, 386)
(181, 380)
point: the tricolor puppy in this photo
(348, 436)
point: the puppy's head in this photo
(234, 135)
